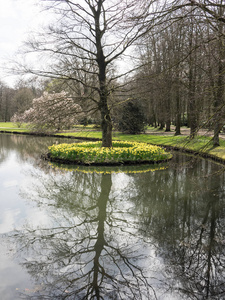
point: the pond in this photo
(146, 232)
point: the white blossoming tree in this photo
(50, 112)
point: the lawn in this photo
(9, 126)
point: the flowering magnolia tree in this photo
(18, 119)
(50, 112)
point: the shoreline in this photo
(202, 154)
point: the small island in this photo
(92, 153)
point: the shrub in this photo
(132, 119)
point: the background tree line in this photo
(181, 75)
(17, 99)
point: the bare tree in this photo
(6, 102)
(86, 40)
(183, 65)
(161, 74)
(213, 26)
(211, 9)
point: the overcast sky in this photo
(17, 18)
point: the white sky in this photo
(17, 18)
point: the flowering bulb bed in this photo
(121, 152)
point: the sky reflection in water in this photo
(74, 235)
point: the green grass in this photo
(200, 144)
(152, 139)
(82, 133)
(9, 126)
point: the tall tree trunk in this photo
(106, 126)
(218, 101)
(217, 106)
(193, 113)
(106, 121)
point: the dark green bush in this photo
(132, 119)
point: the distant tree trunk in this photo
(216, 140)
(178, 112)
(162, 125)
(193, 118)
(178, 124)
(168, 117)
(193, 113)
(168, 123)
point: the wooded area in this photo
(167, 57)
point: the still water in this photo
(86, 233)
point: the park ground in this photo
(201, 145)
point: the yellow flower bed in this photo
(121, 152)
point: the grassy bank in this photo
(200, 144)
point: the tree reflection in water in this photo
(184, 212)
(90, 250)
(158, 235)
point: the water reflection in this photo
(184, 212)
(156, 235)
(91, 249)
(27, 148)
